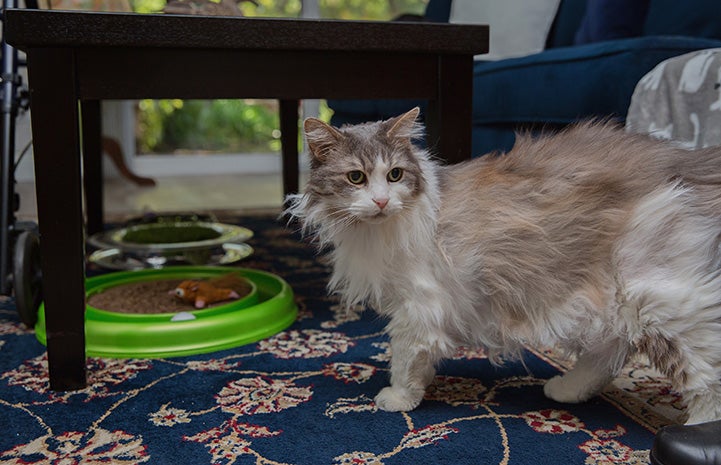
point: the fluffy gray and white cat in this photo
(593, 240)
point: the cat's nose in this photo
(381, 202)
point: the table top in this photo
(27, 29)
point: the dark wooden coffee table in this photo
(77, 59)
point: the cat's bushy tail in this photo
(700, 167)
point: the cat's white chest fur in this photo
(380, 263)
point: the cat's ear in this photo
(405, 126)
(321, 137)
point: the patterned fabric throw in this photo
(680, 100)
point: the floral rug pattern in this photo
(305, 396)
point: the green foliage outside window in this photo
(380, 10)
(235, 125)
(377, 10)
(204, 126)
(148, 6)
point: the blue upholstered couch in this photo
(578, 75)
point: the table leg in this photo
(92, 164)
(289, 143)
(54, 110)
(450, 115)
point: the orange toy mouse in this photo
(202, 293)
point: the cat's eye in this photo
(356, 177)
(395, 175)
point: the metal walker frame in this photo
(19, 241)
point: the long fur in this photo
(593, 240)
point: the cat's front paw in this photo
(566, 390)
(393, 399)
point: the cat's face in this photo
(365, 173)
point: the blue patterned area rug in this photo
(305, 396)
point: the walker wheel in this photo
(27, 278)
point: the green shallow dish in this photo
(267, 310)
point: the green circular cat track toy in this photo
(267, 308)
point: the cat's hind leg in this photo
(592, 372)
(682, 339)
(703, 406)
(692, 362)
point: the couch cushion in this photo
(438, 11)
(563, 84)
(612, 19)
(697, 18)
(517, 27)
(568, 19)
